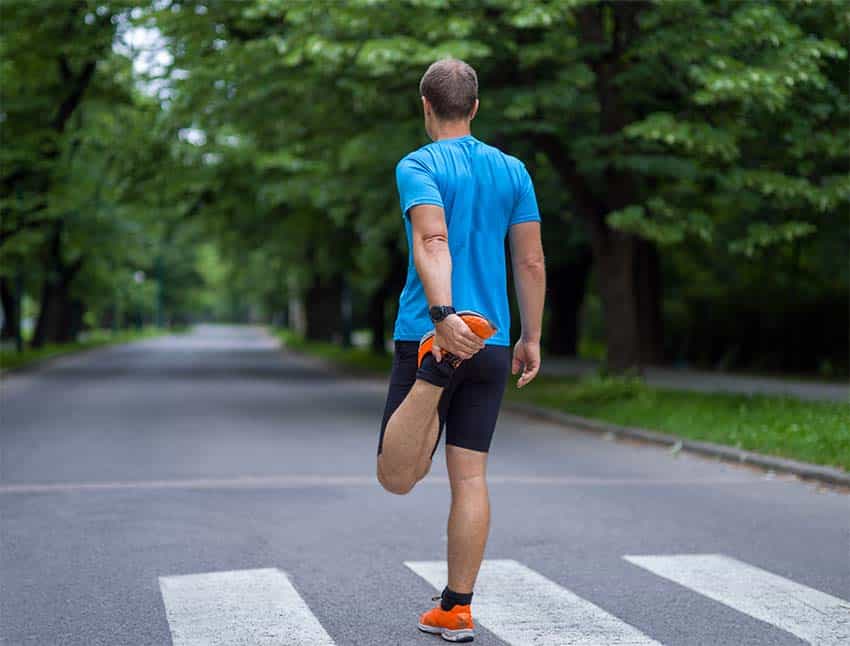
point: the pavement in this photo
(710, 382)
(211, 489)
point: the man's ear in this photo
(426, 107)
(474, 110)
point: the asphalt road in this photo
(210, 489)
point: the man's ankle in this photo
(449, 599)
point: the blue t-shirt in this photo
(483, 192)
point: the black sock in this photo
(450, 599)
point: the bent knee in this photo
(397, 483)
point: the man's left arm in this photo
(529, 278)
(529, 271)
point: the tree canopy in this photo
(690, 160)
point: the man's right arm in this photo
(433, 262)
(529, 272)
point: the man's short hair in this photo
(451, 87)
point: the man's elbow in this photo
(534, 264)
(434, 237)
(434, 242)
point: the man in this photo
(460, 199)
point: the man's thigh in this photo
(476, 399)
(402, 378)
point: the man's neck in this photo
(452, 131)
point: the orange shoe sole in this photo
(478, 323)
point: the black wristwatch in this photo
(439, 312)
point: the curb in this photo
(801, 469)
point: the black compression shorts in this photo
(469, 405)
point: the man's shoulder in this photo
(426, 158)
(515, 164)
(419, 156)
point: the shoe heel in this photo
(458, 636)
(434, 630)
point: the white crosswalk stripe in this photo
(522, 607)
(810, 614)
(239, 608)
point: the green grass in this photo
(356, 359)
(817, 432)
(11, 359)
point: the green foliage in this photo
(760, 235)
(666, 226)
(256, 159)
(86, 169)
(685, 138)
(344, 73)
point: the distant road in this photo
(209, 489)
(710, 382)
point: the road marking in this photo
(239, 608)
(297, 481)
(522, 607)
(810, 614)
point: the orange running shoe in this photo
(478, 323)
(453, 625)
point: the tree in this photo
(670, 142)
(95, 193)
(50, 55)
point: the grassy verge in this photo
(356, 359)
(12, 359)
(817, 432)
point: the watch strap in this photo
(440, 312)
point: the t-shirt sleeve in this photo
(525, 207)
(416, 185)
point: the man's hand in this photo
(453, 335)
(527, 359)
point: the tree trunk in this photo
(392, 285)
(377, 312)
(568, 286)
(629, 283)
(60, 317)
(54, 305)
(11, 301)
(324, 310)
(76, 310)
(615, 266)
(648, 293)
(628, 268)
